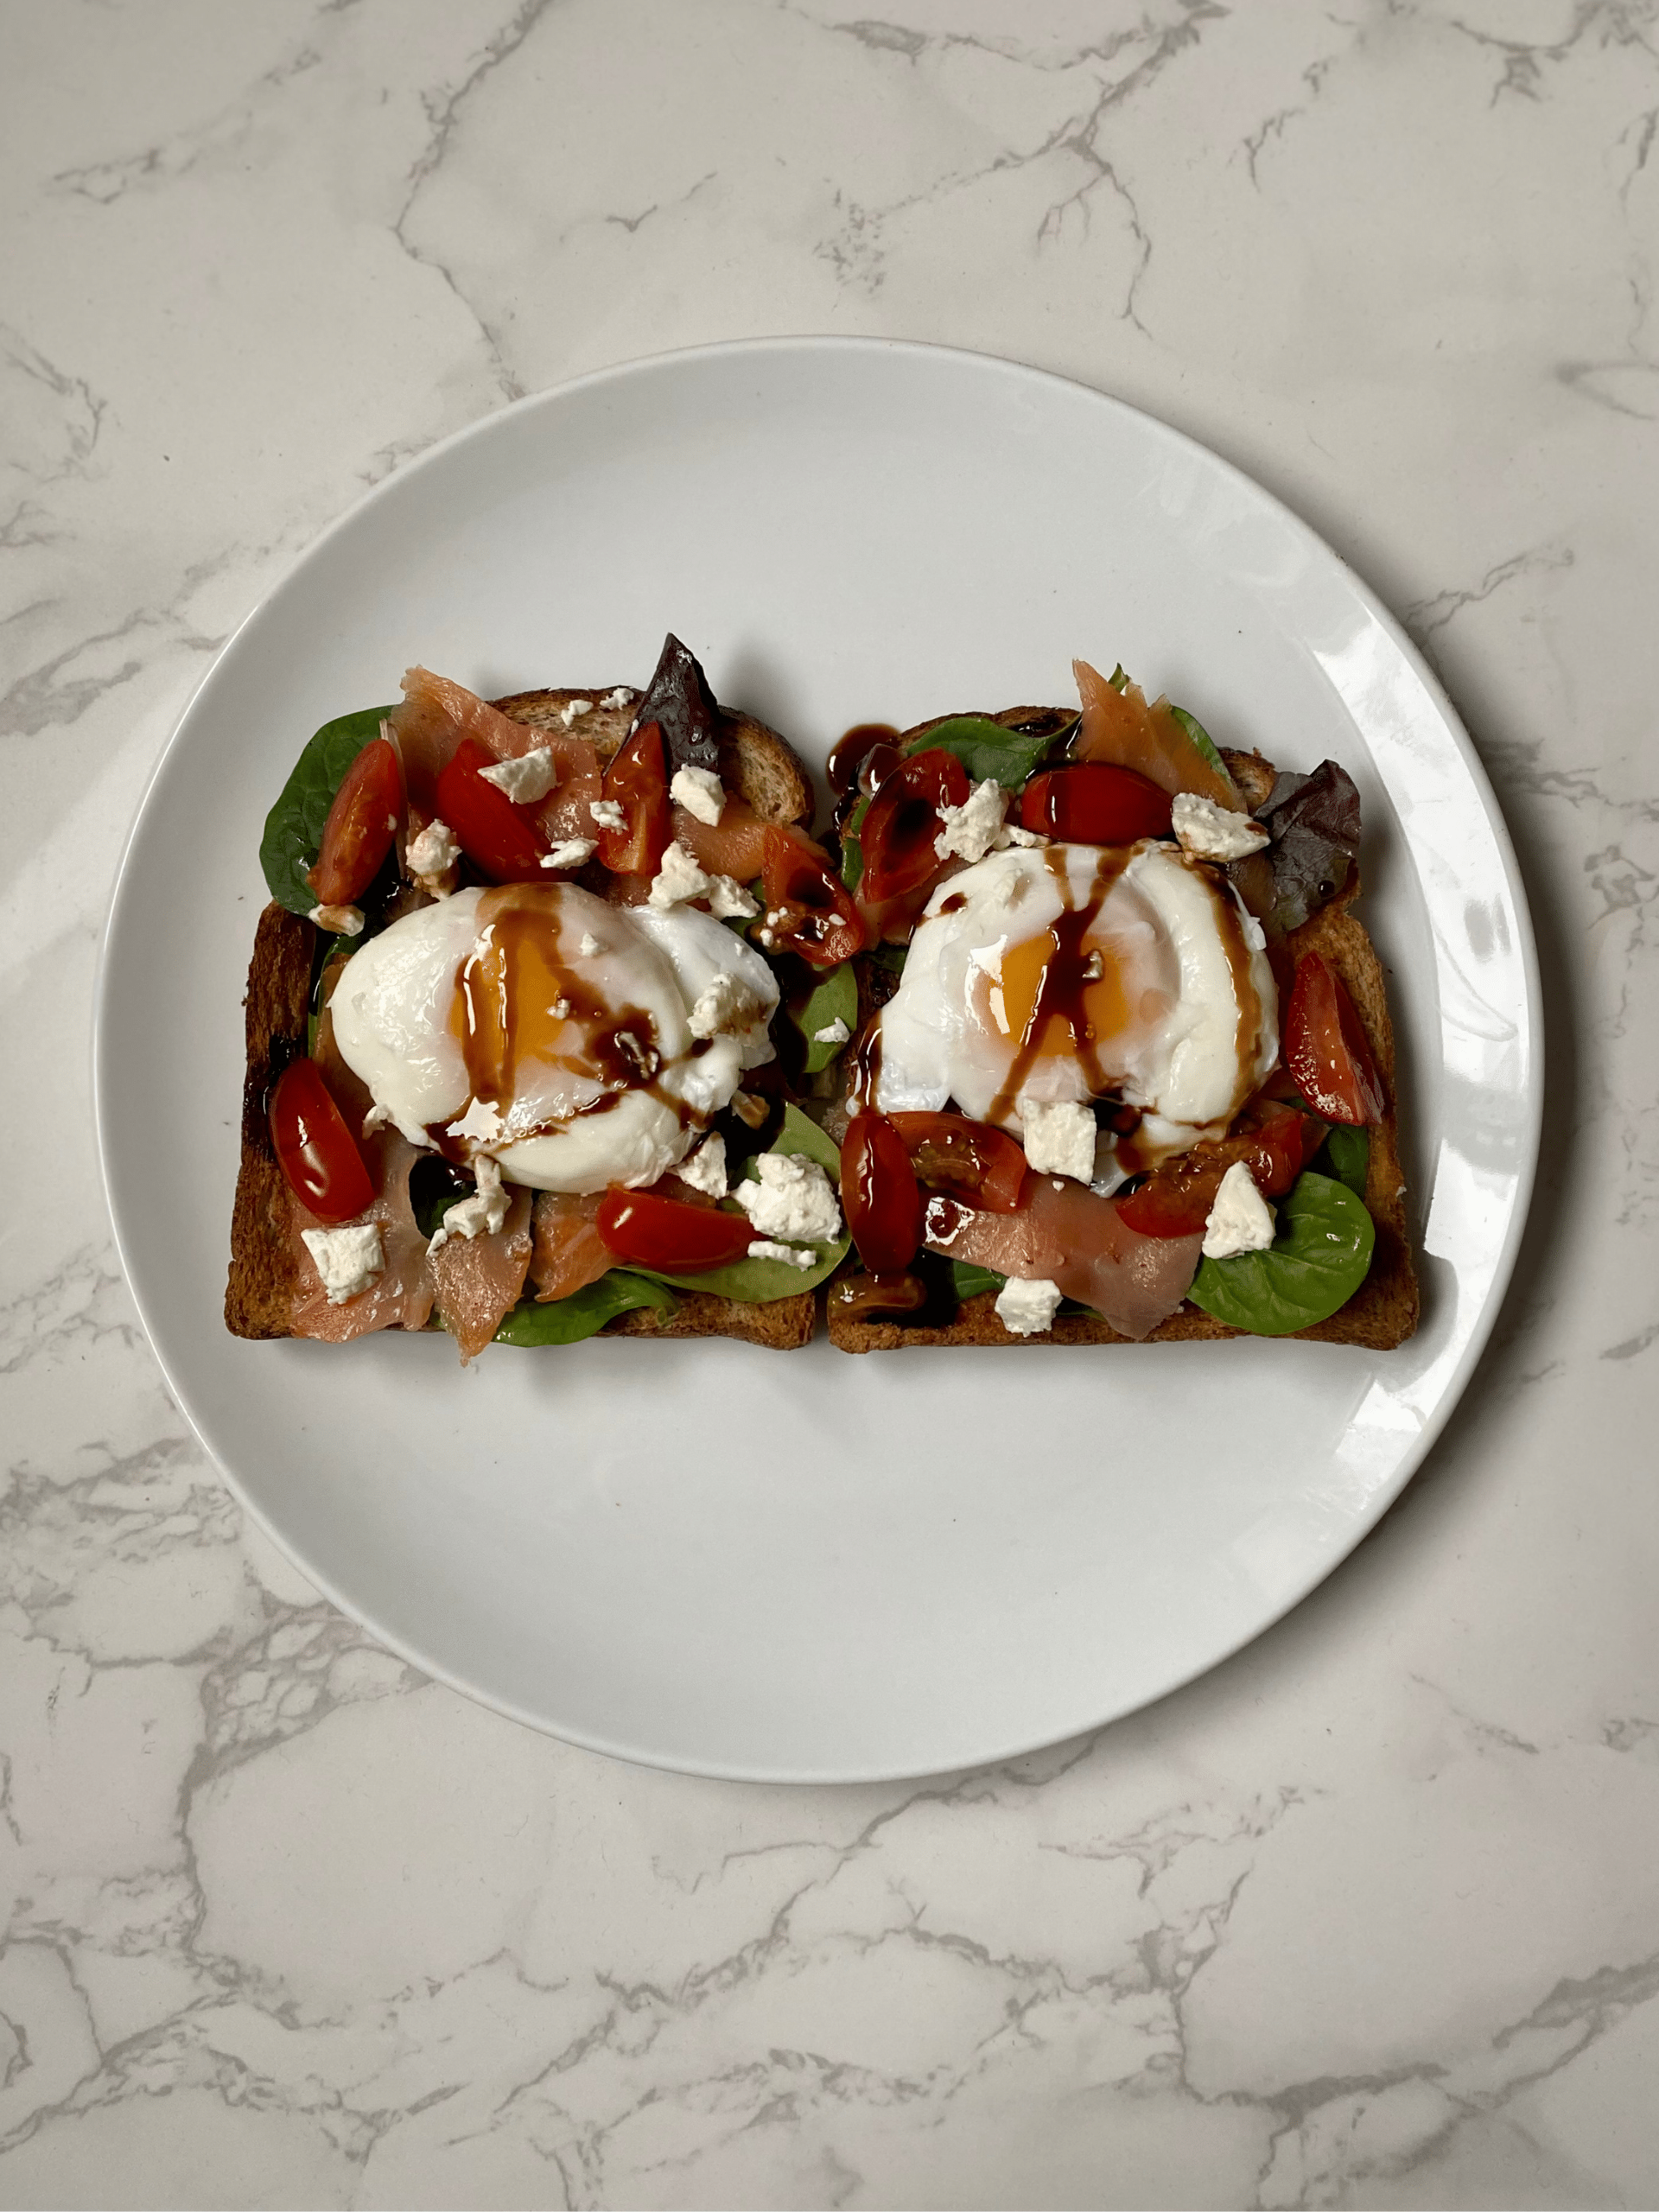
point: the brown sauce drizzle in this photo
(866, 1297)
(850, 751)
(1062, 989)
(507, 990)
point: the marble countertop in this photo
(1370, 1915)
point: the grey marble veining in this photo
(1369, 1917)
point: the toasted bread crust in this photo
(1381, 1315)
(259, 1293)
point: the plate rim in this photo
(1530, 1098)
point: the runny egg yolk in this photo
(516, 1005)
(1068, 992)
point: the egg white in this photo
(392, 1018)
(946, 1033)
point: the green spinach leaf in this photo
(967, 1280)
(1314, 1265)
(294, 827)
(1201, 737)
(834, 1000)
(568, 1320)
(1349, 1151)
(851, 848)
(758, 1281)
(985, 748)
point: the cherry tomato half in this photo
(1176, 1198)
(816, 918)
(492, 832)
(638, 780)
(878, 1194)
(315, 1147)
(899, 833)
(361, 824)
(1095, 804)
(680, 1239)
(1325, 1048)
(983, 1167)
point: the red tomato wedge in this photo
(361, 824)
(1095, 805)
(981, 1166)
(880, 1195)
(816, 918)
(637, 781)
(491, 831)
(1325, 1048)
(315, 1147)
(899, 833)
(683, 1240)
(1175, 1199)
(1120, 728)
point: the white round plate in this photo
(810, 1567)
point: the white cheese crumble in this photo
(482, 1122)
(1012, 834)
(763, 1249)
(705, 1168)
(524, 780)
(836, 1032)
(700, 791)
(589, 944)
(679, 877)
(724, 1008)
(621, 697)
(344, 921)
(728, 900)
(1026, 1305)
(482, 1213)
(569, 852)
(794, 1198)
(1210, 832)
(434, 851)
(608, 813)
(1059, 1138)
(570, 711)
(970, 829)
(1241, 1219)
(348, 1259)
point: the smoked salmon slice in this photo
(480, 1279)
(1120, 729)
(437, 714)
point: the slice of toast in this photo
(259, 1295)
(1380, 1315)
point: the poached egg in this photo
(579, 1043)
(1067, 973)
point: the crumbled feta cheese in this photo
(836, 1032)
(380, 1117)
(482, 1213)
(969, 830)
(794, 1198)
(679, 878)
(589, 944)
(763, 1249)
(1059, 1138)
(569, 852)
(1012, 834)
(432, 855)
(348, 1259)
(524, 780)
(748, 1109)
(1026, 1305)
(344, 921)
(1241, 1219)
(1254, 935)
(1210, 832)
(481, 1123)
(724, 1008)
(621, 697)
(728, 900)
(608, 813)
(700, 791)
(705, 1170)
(574, 708)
